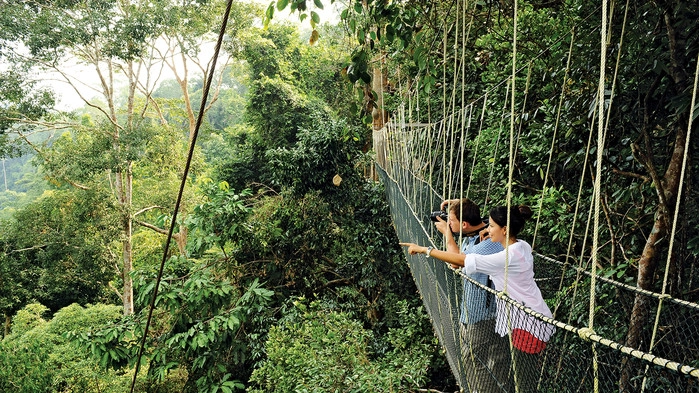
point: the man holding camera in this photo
(485, 354)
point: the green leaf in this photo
(104, 360)
(269, 14)
(233, 323)
(281, 4)
(318, 4)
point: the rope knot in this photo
(585, 333)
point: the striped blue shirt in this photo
(477, 304)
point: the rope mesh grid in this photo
(567, 360)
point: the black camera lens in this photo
(439, 213)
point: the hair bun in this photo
(525, 212)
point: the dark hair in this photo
(518, 216)
(466, 210)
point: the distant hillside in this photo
(20, 183)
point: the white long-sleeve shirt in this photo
(520, 287)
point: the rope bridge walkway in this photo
(566, 363)
(603, 335)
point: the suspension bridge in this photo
(609, 335)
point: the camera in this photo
(439, 213)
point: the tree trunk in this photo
(667, 193)
(378, 81)
(641, 306)
(667, 189)
(8, 321)
(648, 261)
(124, 187)
(127, 255)
(127, 244)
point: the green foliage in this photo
(316, 71)
(46, 28)
(21, 98)
(57, 251)
(29, 317)
(209, 329)
(239, 166)
(279, 111)
(201, 332)
(321, 153)
(219, 220)
(24, 185)
(37, 357)
(273, 52)
(321, 349)
(307, 236)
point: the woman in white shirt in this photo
(512, 272)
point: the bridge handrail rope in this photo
(589, 335)
(632, 288)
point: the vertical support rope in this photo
(497, 146)
(598, 185)
(476, 149)
(553, 138)
(570, 239)
(510, 172)
(618, 60)
(444, 106)
(575, 216)
(524, 106)
(510, 176)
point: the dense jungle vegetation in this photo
(284, 273)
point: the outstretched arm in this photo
(449, 257)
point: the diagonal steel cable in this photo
(192, 144)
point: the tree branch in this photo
(29, 248)
(631, 174)
(151, 226)
(113, 288)
(145, 209)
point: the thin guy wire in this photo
(200, 117)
